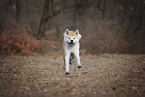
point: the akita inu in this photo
(71, 49)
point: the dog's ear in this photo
(77, 32)
(66, 31)
(80, 36)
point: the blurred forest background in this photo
(107, 26)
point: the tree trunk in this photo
(140, 18)
(44, 18)
(18, 11)
(58, 27)
(41, 30)
(102, 9)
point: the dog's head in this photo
(71, 37)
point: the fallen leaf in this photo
(78, 92)
(92, 61)
(45, 90)
(134, 88)
(80, 84)
(136, 70)
(57, 78)
(111, 74)
(8, 61)
(73, 89)
(15, 74)
(22, 73)
(27, 88)
(59, 93)
(36, 85)
(102, 61)
(73, 83)
(79, 73)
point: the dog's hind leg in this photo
(63, 63)
(71, 58)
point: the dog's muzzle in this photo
(71, 43)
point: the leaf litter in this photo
(100, 76)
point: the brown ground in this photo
(116, 75)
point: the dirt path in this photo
(103, 75)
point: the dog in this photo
(70, 49)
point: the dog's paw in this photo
(80, 66)
(67, 73)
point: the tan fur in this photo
(71, 33)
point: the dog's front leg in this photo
(77, 56)
(67, 64)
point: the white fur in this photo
(67, 50)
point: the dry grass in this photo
(16, 43)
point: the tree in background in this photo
(120, 21)
(54, 7)
(10, 10)
(51, 8)
(18, 11)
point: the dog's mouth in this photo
(71, 44)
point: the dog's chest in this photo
(74, 48)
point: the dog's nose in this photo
(71, 41)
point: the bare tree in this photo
(140, 15)
(51, 8)
(18, 11)
(6, 13)
(103, 8)
(79, 7)
(54, 7)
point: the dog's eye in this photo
(73, 38)
(68, 38)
